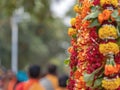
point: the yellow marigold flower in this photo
(113, 2)
(108, 32)
(109, 48)
(111, 84)
(73, 21)
(77, 9)
(72, 31)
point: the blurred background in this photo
(34, 31)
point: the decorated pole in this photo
(95, 46)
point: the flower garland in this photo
(80, 33)
(95, 46)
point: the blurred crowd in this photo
(33, 79)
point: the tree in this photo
(41, 37)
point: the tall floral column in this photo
(79, 33)
(95, 46)
(109, 47)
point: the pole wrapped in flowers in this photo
(95, 46)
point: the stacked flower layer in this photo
(95, 46)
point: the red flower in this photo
(117, 58)
(93, 35)
(71, 84)
(96, 2)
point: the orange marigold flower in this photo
(70, 49)
(80, 84)
(100, 18)
(106, 14)
(85, 24)
(77, 74)
(119, 11)
(118, 66)
(78, 22)
(110, 69)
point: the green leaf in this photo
(118, 19)
(94, 8)
(67, 61)
(94, 23)
(74, 69)
(98, 82)
(115, 14)
(67, 82)
(118, 41)
(74, 36)
(89, 78)
(92, 15)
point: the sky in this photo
(61, 7)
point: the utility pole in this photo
(16, 18)
(14, 53)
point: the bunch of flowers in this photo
(72, 32)
(94, 57)
(109, 48)
(80, 83)
(111, 84)
(94, 51)
(108, 32)
(78, 53)
(105, 15)
(73, 21)
(109, 2)
(77, 8)
(110, 67)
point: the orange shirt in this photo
(54, 80)
(32, 84)
(20, 86)
(11, 84)
(60, 88)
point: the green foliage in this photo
(115, 14)
(95, 8)
(92, 15)
(89, 79)
(74, 69)
(67, 61)
(118, 19)
(41, 37)
(94, 23)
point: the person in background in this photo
(5, 81)
(1, 83)
(62, 82)
(33, 82)
(50, 82)
(46, 83)
(21, 77)
(13, 80)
